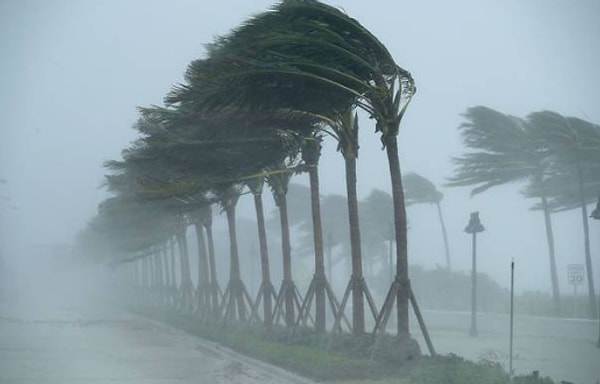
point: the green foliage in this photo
(532, 379)
(418, 189)
(454, 369)
(503, 151)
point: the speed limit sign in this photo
(575, 273)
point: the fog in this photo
(73, 72)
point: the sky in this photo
(73, 72)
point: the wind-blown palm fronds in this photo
(505, 149)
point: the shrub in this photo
(452, 369)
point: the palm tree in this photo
(319, 287)
(236, 297)
(224, 148)
(506, 150)
(345, 130)
(573, 147)
(318, 60)
(376, 212)
(418, 190)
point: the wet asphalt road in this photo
(69, 345)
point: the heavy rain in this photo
(299, 191)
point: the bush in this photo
(452, 369)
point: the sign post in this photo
(575, 276)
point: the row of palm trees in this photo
(557, 157)
(254, 111)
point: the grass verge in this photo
(342, 358)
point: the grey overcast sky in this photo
(73, 71)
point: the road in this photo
(48, 343)
(69, 345)
(563, 349)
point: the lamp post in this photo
(474, 227)
(596, 216)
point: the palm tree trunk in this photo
(173, 268)
(136, 274)
(159, 272)
(444, 234)
(315, 203)
(235, 281)
(151, 263)
(358, 311)
(287, 260)
(214, 285)
(144, 275)
(186, 278)
(203, 278)
(165, 253)
(151, 279)
(593, 310)
(391, 146)
(552, 256)
(264, 260)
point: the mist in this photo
(73, 73)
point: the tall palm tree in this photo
(319, 287)
(317, 59)
(418, 190)
(236, 299)
(505, 149)
(345, 130)
(573, 147)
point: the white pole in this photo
(575, 300)
(512, 295)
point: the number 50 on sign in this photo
(575, 273)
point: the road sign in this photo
(575, 274)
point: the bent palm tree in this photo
(420, 190)
(506, 150)
(316, 59)
(573, 147)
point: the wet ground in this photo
(44, 342)
(69, 345)
(563, 349)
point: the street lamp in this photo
(474, 227)
(596, 216)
